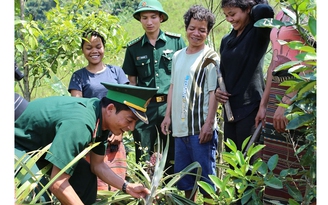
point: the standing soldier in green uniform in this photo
(70, 125)
(147, 63)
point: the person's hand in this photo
(137, 190)
(165, 125)
(260, 116)
(279, 120)
(206, 133)
(115, 139)
(220, 96)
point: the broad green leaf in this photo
(292, 202)
(303, 6)
(288, 172)
(287, 65)
(294, 192)
(268, 23)
(245, 142)
(246, 196)
(298, 45)
(313, 26)
(230, 161)
(256, 166)
(274, 182)
(239, 172)
(231, 144)
(240, 158)
(207, 187)
(290, 83)
(20, 48)
(299, 121)
(308, 87)
(232, 173)
(308, 49)
(19, 22)
(217, 182)
(289, 13)
(256, 181)
(58, 86)
(254, 150)
(229, 193)
(272, 162)
(263, 169)
(307, 56)
(32, 43)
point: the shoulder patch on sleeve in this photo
(173, 34)
(134, 41)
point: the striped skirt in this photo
(281, 144)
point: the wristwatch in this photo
(124, 186)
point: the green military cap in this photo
(150, 5)
(135, 97)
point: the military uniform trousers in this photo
(145, 135)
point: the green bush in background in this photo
(47, 50)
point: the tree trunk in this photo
(25, 87)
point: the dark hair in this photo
(119, 106)
(242, 4)
(200, 13)
(89, 33)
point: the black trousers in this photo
(240, 130)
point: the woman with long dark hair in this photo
(242, 53)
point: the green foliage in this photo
(162, 187)
(122, 8)
(42, 48)
(302, 113)
(27, 181)
(245, 178)
(48, 68)
(36, 8)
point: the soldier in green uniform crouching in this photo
(70, 125)
(148, 61)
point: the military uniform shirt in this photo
(66, 122)
(152, 65)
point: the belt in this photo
(159, 98)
